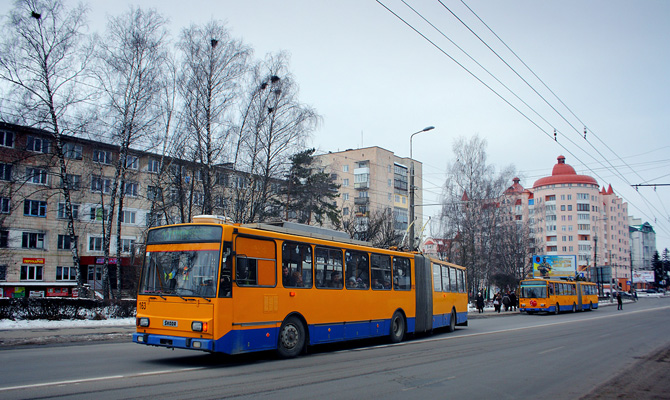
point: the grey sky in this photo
(375, 81)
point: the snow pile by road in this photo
(69, 323)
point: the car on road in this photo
(649, 293)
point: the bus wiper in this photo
(207, 299)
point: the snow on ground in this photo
(67, 323)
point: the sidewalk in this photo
(18, 337)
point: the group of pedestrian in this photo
(507, 300)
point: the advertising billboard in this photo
(643, 276)
(554, 266)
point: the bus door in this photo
(254, 305)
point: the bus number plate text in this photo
(167, 322)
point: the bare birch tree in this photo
(44, 58)
(213, 66)
(273, 126)
(131, 61)
(471, 209)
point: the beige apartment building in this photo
(374, 180)
(35, 248)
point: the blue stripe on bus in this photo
(259, 339)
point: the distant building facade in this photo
(642, 244)
(373, 179)
(570, 215)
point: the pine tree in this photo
(309, 195)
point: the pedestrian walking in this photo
(619, 302)
(479, 301)
(506, 302)
(513, 300)
(496, 302)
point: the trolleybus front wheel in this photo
(291, 337)
(397, 327)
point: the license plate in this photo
(167, 322)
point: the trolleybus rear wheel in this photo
(452, 321)
(291, 337)
(397, 327)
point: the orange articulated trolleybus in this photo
(230, 288)
(554, 296)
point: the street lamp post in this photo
(411, 188)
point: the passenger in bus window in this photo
(295, 280)
(376, 284)
(285, 276)
(336, 281)
(351, 283)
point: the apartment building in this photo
(374, 180)
(35, 248)
(573, 216)
(642, 244)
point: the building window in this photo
(66, 273)
(3, 273)
(6, 172)
(6, 139)
(154, 219)
(154, 193)
(154, 165)
(72, 151)
(36, 175)
(72, 182)
(62, 214)
(128, 217)
(4, 239)
(32, 240)
(127, 245)
(34, 208)
(100, 184)
(345, 168)
(345, 211)
(345, 182)
(37, 145)
(132, 162)
(64, 242)
(95, 244)
(102, 156)
(31, 272)
(4, 205)
(131, 188)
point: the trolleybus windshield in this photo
(530, 290)
(181, 273)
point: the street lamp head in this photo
(428, 128)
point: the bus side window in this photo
(551, 288)
(256, 262)
(402, 273)
(226, 279)
(381, 271)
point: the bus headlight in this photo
(199, 326)
(143, 322)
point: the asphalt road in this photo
(516, 357)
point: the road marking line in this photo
(550, 350)
(101, 378)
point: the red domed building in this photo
(570, 215)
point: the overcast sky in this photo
(376, 81)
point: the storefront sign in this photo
(33, 260)
(101, 260)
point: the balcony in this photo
(362, 185)
(361, 200)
